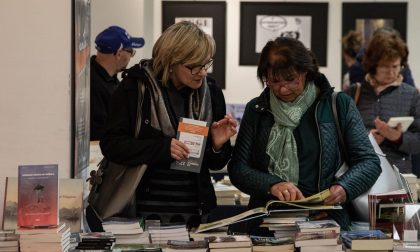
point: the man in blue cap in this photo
(115, 47)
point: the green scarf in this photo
(281, 146)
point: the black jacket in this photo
(153, 147)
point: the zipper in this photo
(320, 147)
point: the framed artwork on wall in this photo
(263, 21)
(211, 18)
(80, 87)
(367, 17)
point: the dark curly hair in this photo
(286, 56)
(384, 47)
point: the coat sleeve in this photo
(411, 138)
(364, 164)
(243, 174)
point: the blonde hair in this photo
(181, 43)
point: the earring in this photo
(170, 70)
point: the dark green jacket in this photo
(248, 166)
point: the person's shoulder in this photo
(131, 77)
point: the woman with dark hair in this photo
(383, 95)
(287, 146)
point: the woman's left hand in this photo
(222, 131)
(390, 133)
(337, 197)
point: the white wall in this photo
(125, 13)
(35, 88)
(241, 81)
(35, 98)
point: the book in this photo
(386, 211)
(37, 195)
(405, 122)
(231, 241)
(366, 240)
(407, 246)
(137, 247)
(411, 223)
(313, 202)
(318, 225)
(193, 133)
(41, 230)
(325, 248)
(96, 236)
(186, 246)
(70, 203)
(272, 244)
(320, 238)
(122, 226)
(244, 249)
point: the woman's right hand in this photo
(179, 150)
(286, 191)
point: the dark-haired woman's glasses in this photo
(291, 81)
(197, 69)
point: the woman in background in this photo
(383, 95)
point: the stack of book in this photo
(272, 244)
(9, 241)
(126, 230)
(163, 233)
(318, 241)
(96, 241)
(283, 224)
(368, 240)
(56, 238)
(226, 194)
(320, 226)
(232, 243)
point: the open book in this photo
(314, 202)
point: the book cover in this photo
(137, 247)
(313, 202)
(366, 240)
(386, 211)
(231, 241)
(192, 133)
(37, 195)
(70, 203)
(96, 236)
(318, 225)
(316, 238)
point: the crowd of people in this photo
(287, 145)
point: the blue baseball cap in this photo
(114, 37)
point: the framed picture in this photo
(211, 18)
(263, 21)
(80, 87)
(367, 17)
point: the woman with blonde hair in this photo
(173, 84)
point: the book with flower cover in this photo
(193, 133)
(37, 195)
